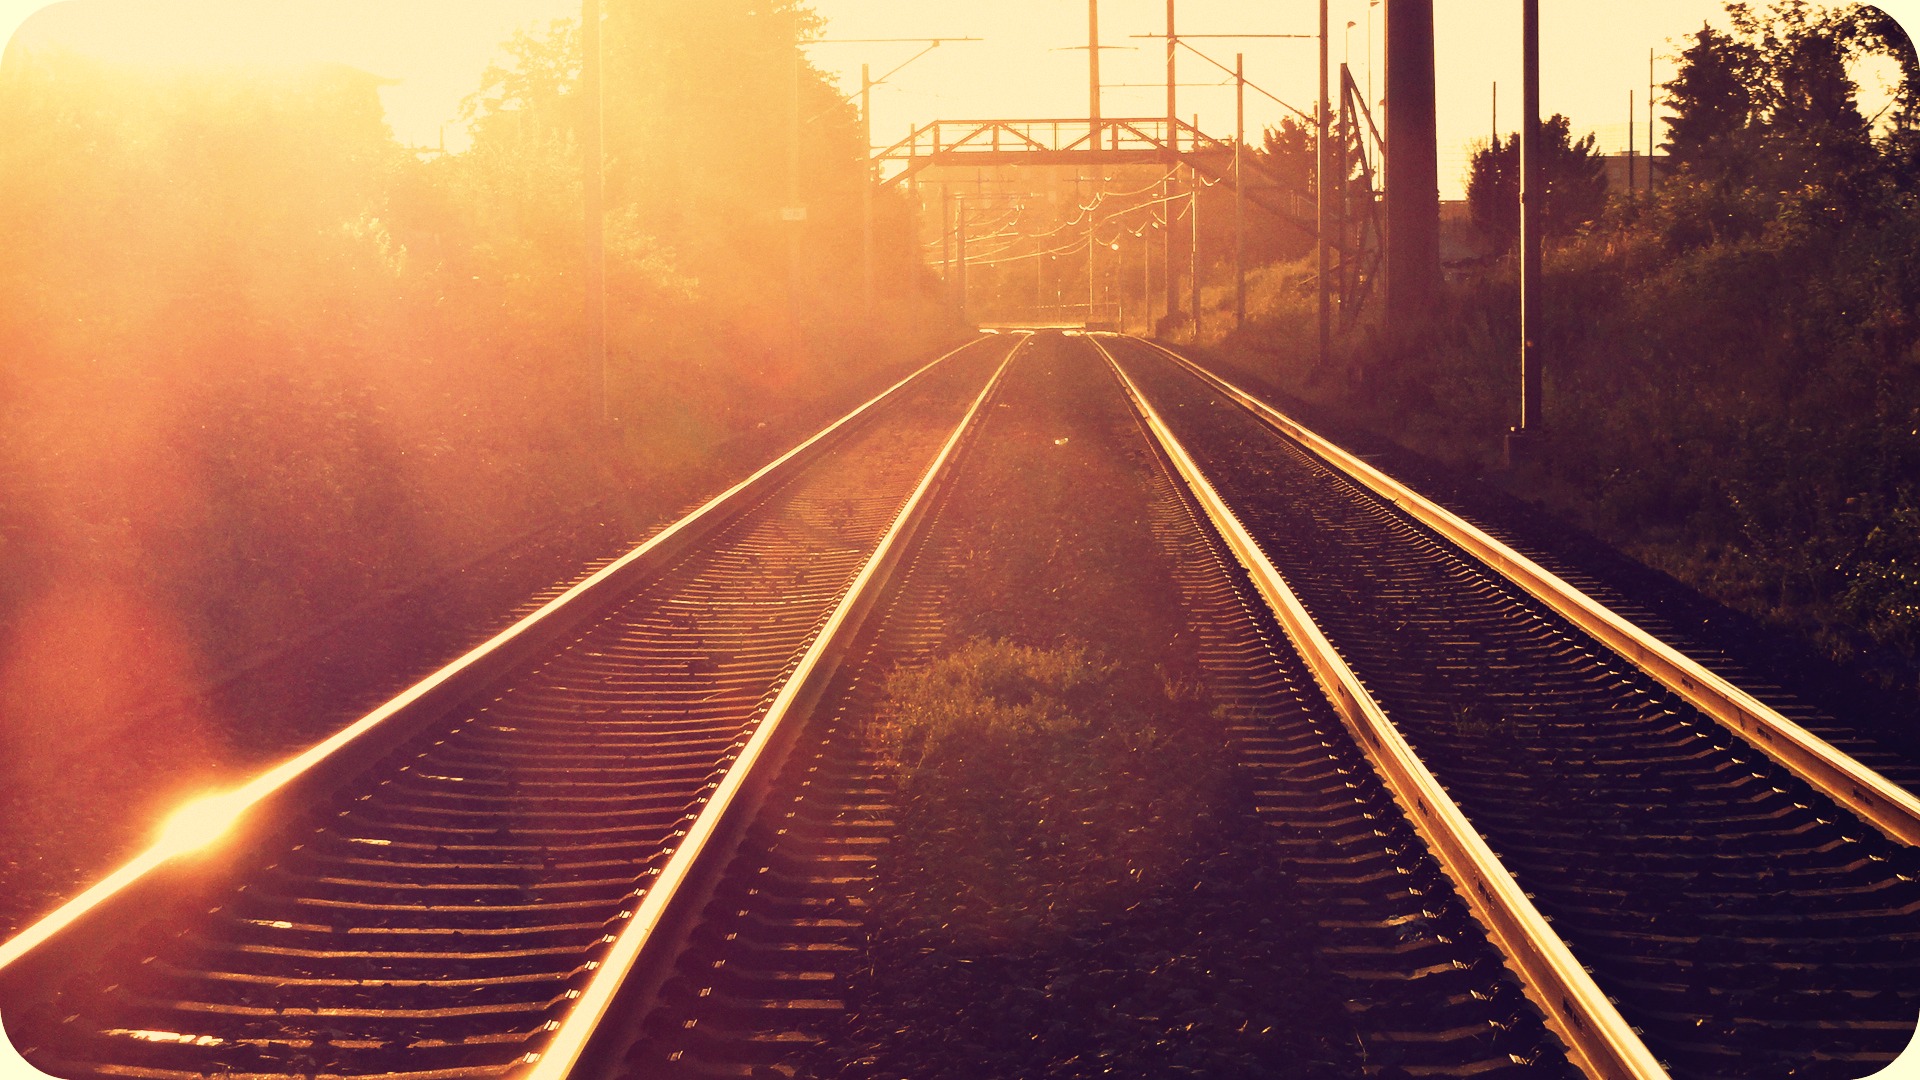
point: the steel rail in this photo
(570, 1042)
(1601, 1042)
(233, 808)
(1876, 800)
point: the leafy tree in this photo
(1573, 174)
(1710, 99)
(1810, 125)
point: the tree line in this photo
(1730, 361)
(260, 364)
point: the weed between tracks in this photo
(1077, 884)
(1039, 800)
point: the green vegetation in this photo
(1732, 377)
(1041, 799)
(260, 365)
(1076, 888)
(1576, 186)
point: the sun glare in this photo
(199, 823)
(207, 33)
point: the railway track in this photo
(597, 847)
(456, 885)
(779, 981)
(1703, 860)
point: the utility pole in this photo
(1093, 76)
(1346, 125)
(1173, 140)
(1630, 147)
(1531, 194)
(1193, 199)
(1039, 282)
(946, 240)
(965, 318)
(1173, 104)
(1239, 192)
(1323, 175)
(1650, 88)
(866, 190)
(1169, 190)
(1413, 167)
(1146, 280)
(593, 187)
(1093, 227)
(794, 215)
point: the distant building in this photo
(1617, 165)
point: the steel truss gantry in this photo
(1080, 141)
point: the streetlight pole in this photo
(1371, 103)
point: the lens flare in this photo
(199, 823)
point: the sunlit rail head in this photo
(194, 826)
(199, 823)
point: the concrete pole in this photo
(1193, 269)
(1631, 192)
(966, 317)
(1039, 283)
(1323, 221)
(866, 190)
(1146, 280)
(593, 186)
(1532, 194)
(1413, 167)
(1345, 127)
(1173, 102)
(946, 241)
(1093, 227)
(1239, 192)
(1169, 188)
(792, 213)
(1093, 75)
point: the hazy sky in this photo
(1594, 53)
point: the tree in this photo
(1711, 102)
(1572, 172)
(1772, 105)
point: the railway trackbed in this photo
(455, 885)
(654, 830)
(1717, 869)
(1344, 930)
